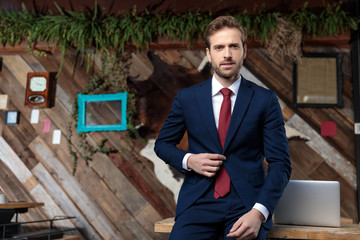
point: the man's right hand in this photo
(206, 164)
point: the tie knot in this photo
(225, 92)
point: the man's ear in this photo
(208, 54)
(245, 50)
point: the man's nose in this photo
(227, 53)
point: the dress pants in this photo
(210, 219)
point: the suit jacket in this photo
(256, 130)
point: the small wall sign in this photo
(12, 117)
(3, 101)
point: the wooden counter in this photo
(164, 226)
(17, 205)
(346, 231)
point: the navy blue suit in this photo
(256, 131)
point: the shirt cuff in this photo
(262, 209)
(184, 162)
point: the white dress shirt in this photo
(217, 99)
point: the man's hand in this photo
(248, 226)
(206, 164)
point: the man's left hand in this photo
(247, 227)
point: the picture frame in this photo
(317, 80)
(12, 117)
(105, 107)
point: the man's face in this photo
(226, 54)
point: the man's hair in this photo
(222, 22)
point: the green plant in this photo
(111, 79)
(260, 23)
(16, 27)
(335, 20)
(103, 148)
(86, 30)
(330, 21)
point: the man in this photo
(226, 191)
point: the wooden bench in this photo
(347, 231)
(70, 237)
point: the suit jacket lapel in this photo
(241, 105)
(204, 98)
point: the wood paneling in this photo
(307, 161)
(106, 203)
(117, 195)
(277, 75)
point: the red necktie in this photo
(222, 182)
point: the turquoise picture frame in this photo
(84, 99)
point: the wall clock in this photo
(40, 89)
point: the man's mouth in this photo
(227, 64)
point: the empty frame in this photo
(103, 112)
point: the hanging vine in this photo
(112, 79)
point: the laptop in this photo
(311, 203)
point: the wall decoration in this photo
(34, 119)
(46, 125)
(3, 101)
(357, 128)
(328, 129)
(56, 139)
(318, 80)
(12, 117)
(40, 89)
(93, 108)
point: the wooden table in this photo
(20, 207)
(346, 231)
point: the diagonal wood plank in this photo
(334, 159)
(74, 189)
(16, 191)
(63, 200)
(14, 163)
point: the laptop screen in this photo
(309, 202)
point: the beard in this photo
(232, 75)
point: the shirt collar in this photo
(216, 86)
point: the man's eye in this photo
(218, 47)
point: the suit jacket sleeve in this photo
(277, 155)
(170, 135)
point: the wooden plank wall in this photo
(113, 198)
(118, 196)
